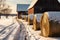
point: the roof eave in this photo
(32, 4)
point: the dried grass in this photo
(51, 27)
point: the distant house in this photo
(22, 9)
(39, 6)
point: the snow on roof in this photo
(32, 3)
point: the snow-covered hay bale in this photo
(23, 17)
(36, 21)
(26, 18)
(50, 24)
(30, 19)
(19, 16)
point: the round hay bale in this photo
(23, 17)
(50, 24)
(19, 17)
(26, 18)
(36, 21)
(30, 19)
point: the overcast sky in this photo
(13, 3)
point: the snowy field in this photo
(9, 28)
(30, 34)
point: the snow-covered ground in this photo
(8, 28)
(30, 34)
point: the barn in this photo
(38, 6)
(22, 10)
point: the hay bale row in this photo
(26, 18)
(30, 19)
(23, 17)
(50, 24)
(19, 16)
(36, 21)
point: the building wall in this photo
(30, 11)
(48, 5)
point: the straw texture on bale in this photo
(23, 17)
(30, 21)
(26, 19)
(36, 25)
(50, 26)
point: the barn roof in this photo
(22, 7)
(33, 2)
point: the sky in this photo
(13, 3)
